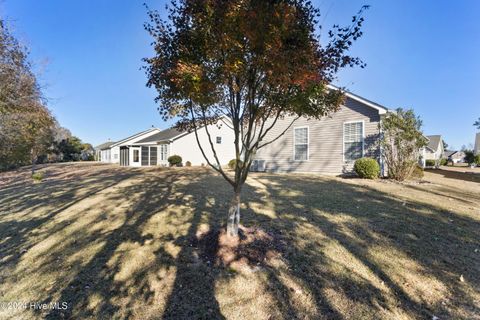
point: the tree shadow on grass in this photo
(192, 295)
(147, 264)
(457, 175)
(17, 225)
(423, 233)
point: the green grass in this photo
(124, 243)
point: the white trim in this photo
(381, 110)
(343, 137)
(308, 142)
(185, 133)
(131, 140)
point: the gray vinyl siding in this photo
(325, 149)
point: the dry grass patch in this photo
(146, 244)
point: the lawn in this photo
(120, 243)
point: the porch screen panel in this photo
(153, 156)
(144, 156)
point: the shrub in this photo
(175, 160)
(37, 176)
(367, 168)
(430, 163)
(401, 141)
(443, 162)
(476, 159)
(232, 163)
(188, 164)
(469, 156)
(417, 173)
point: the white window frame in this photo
(308, 143)
(161, 151)
(133, 155)
(343, 138)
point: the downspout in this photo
(380, 149)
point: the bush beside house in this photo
(367, 168)
(232, 163)
(175, 160)
(417, 173)
(430, 163)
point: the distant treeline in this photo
(29, 133)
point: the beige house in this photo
(476, 149)
(329, 145)
(455, 156)
(433, 151)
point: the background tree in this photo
(445, 145)
(477, 124)
(401, 142)
(70, 149)
(25, 122)
(469, 156)
(252, 61)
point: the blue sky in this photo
(419, 54)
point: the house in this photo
(433, 151)
(476, 149)
(329, 145)
(102, 151)
(455, 156)
(114, 150)
(153, 147)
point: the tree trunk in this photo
(233, 219)
(33, 162)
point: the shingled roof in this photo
(162, 136)
(433, 141)
(104, 145)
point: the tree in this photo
(253, 62)
(469, 156)
(25, 122)
(70, 149)
(400, 143)
(445, 145)
(477, 124)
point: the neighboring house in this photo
(329, 145)
(455, 156)
(102, 151)
(153, 147)
(476, 149)
(433, 151)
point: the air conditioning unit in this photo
(258, 166)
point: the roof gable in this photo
(104, 145)
(135, 136)
(164, 135)
(434, 142)
(381, 109)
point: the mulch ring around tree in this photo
(254, 248)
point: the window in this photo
(136, 153)
(219, 140)
(300, 143)
(163, 152)
(352, 140)
(115, 156)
